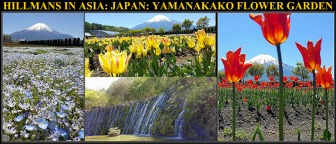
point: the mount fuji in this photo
(39, 31)
(157, 22)
(267, 60)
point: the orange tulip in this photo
(235, 65)
(311, 54)
(275, 26)
(324, 77)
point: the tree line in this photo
(272, 71)
(95, 26)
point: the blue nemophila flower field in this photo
(43, 94)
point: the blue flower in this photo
(62, 131)
(28, 94)
(81, 134)
(19, 118)
(64, 107)
(42, 123)
(52, 125)
(60, 114)
(30, 127)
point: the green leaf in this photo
(326, 135)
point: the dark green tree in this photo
(203, 22)
(187, 23)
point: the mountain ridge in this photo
(38, 31)
(159, 21)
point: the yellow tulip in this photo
(166, 41)
(165, 50)
(109, 48)
(157, 51)
(212, 40)
(114, 62)
(138, 48)
(173, 50)
(200, 57)
(191, 42)
(200, 35)
(152, 42)
(144, 52)
(199, 46)
(88, 73)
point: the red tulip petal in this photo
(305, 55)
(256, 18)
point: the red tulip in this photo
(324, 77)
(235, 65)
(268, 107)
(249, 82)
(284, 79)
(322, 102)
(240, 88)
(275, 26)
(311, 54)
(291, 78)
(296, 79)
(256, 78)
(271, 78)
(244, 99)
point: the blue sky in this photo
(67, 23)
(238, 30)
(130, 20)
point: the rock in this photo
(114, 132)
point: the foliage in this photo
(272, 70)
(148, 29)
(94, 26)
(176, 27)
(220, 74)
(301, 71)
(6, 38)
(256, 70)
(95, 98)
(187, 23)
(203, 22)
(161, 30)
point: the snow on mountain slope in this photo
(159, 18)
(40, 27)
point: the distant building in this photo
(102, 33)
(87, 34)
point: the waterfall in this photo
(133, 118)
(179, 123)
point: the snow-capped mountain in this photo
(39, 31)
(159, 18)
(157, 22)
(268, 60)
